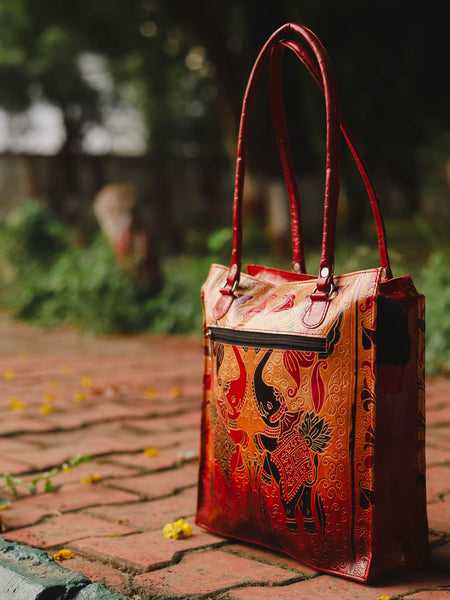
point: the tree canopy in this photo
(185, 66)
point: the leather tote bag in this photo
(312, 435)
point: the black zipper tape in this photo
(276, 341)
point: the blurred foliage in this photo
(41, 50)
(436, 287)
(48, 279)
(83, 287)
(185, 65)
(40, 59)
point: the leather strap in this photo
(324, 75)
(325, 278)
(281, 133)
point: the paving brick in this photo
(99, 412)
(438, 482)
(150, 515)
(439, 437)
(162, 483)
(18, 337)
(209, 572)
(326, 587)
(73, 437)
(58, 530)
(163, 407)
(143, 551)
(107, 472)
(270, 557)
(16, 423)
(439, 515)
(167, 459)
(188, 438)
(98, 439)
(99, 572)
(431, 595)
(437, 392)
(75, 496)
(437, 456)
(11, 449)
(10, 466)
(20, 515)
(439, 415)
(184, 421)
(31, 509)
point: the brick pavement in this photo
(63, 395)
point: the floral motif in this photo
(316, 432)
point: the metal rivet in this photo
(296, 267)
(324, 272)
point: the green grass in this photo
(48, 278)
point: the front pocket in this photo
(273, 341)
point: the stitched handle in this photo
(325, 278)
(281, 133)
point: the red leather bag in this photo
(313, 399)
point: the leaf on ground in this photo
(49, 487)
(32, 488)
(4, 503)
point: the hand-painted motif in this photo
(292, 438)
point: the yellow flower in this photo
(4, 506)
(63, 554)
(148, 451)
(9, 375)
(150, 393)
(17, 404)
(91, 478)
(384, 598)
(176, 392)
(86, 381)
(79, 396)
(67, 470)
(177, 530)
(46, 409)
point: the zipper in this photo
(257, 339)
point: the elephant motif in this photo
(290, 445)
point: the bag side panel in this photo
(401, 529)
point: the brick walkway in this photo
(62, 396)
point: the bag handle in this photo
(325, 278)
(325, 283)
(281, 133)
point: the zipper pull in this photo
(210, 350)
